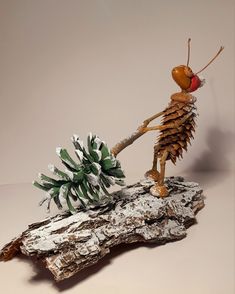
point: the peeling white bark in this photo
(69, 243)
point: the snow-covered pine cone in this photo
(85, 181)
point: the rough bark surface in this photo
(69, 243)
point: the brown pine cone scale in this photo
(175, 139)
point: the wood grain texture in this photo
(68, 243)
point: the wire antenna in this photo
(217, 54)
(189, 40)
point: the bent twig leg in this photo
(153, 173)
(162, 168)
(159, 189)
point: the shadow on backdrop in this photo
(215, 163)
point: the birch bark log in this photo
(68, 243)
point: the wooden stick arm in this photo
(144, 129)
(127, 141)
(148, 120)
(137, 134)
(172, 125)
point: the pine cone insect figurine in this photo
(178, 123)
(177, 127)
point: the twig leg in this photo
(162, 168)
(153, 173)
(159, 189)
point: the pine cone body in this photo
(175, 139)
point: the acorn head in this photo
(185, 78)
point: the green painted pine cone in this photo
(85, 181)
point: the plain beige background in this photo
(104, 66)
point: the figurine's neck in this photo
(183, 97)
